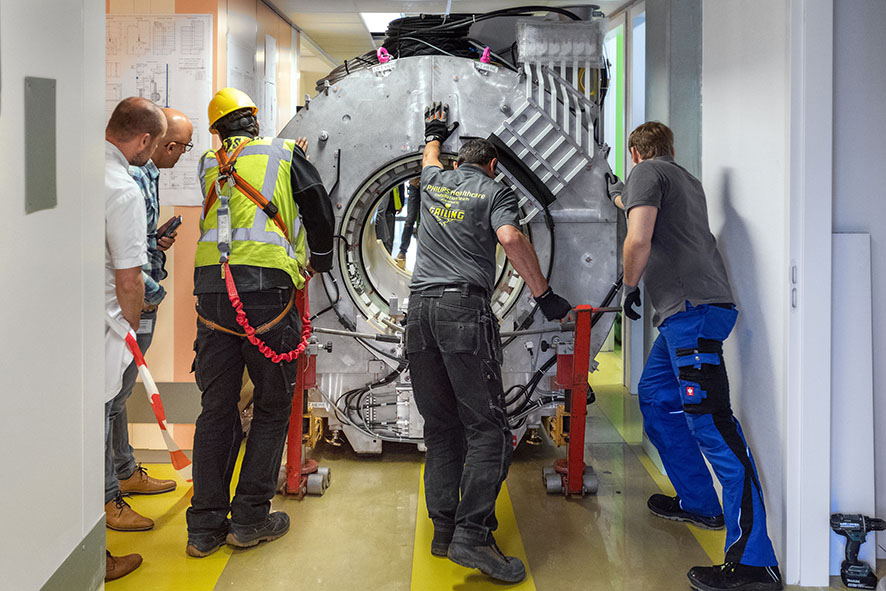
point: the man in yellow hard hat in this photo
(263, 204)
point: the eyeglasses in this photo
(187, 147)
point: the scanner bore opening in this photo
(373, 277)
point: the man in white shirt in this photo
(133, 132)
(120, 461)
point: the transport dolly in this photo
(570, 475)
(303, 476)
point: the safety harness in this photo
(221, 190)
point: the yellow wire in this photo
(581, 82)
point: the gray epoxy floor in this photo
(360, 534)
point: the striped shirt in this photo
(147, 177)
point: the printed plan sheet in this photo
(168, 60)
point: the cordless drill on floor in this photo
(855, 573)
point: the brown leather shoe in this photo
(142, 484)
(119, 566)
(120, 516)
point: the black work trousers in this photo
(218, 365)
(454, 360)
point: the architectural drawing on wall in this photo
(113, 93)
(164, 38)
(138, 37)
(193, 38)
(152, 82)
(113, 38)
(242, 50)
(166, 59)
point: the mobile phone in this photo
(169, 227)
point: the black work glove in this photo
(614, 186)
(436, 119)
(553, 306)
(630, 297)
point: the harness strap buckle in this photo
(270, 209)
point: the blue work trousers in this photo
(684, 398)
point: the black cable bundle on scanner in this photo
(433, 34)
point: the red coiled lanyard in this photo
(250, 332)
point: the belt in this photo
(261, 329)
(465, 289)
(150, 308)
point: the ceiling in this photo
(336, 27)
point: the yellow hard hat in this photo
(228, 100)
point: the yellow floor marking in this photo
(166, 567)
(433, 573)
(609, 373)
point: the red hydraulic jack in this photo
(303, 476)
(570, 475)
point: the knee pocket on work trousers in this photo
(194, 365)
(704, 385)
(494, 390)
(289, 339)
(414, 339)
(490, 345)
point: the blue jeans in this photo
(119, 460)
(684, 398)
(454, 362)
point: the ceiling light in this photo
(377, 22)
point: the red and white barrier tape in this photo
(179, 460)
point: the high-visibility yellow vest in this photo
(256, 240)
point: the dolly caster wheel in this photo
(553, 484)
(325, 473)
(316, 484)
(590, 483)
(547, 471)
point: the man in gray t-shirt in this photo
(453, 347)
(684, 390)
(684, 264)
(464, 209)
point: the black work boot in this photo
(490, 561)
(245, 536)
(202, 545)
(440, 542)
(669, 508)
(733, 576)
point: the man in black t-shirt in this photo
(452, 343)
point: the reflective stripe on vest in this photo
(261, 242)
(276, 153)
(243, 234)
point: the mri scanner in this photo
(365, 130)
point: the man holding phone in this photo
(121, 470)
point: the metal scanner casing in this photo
(366, 132)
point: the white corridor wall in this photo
(745, 147)
(52, 297)
(860, 177)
